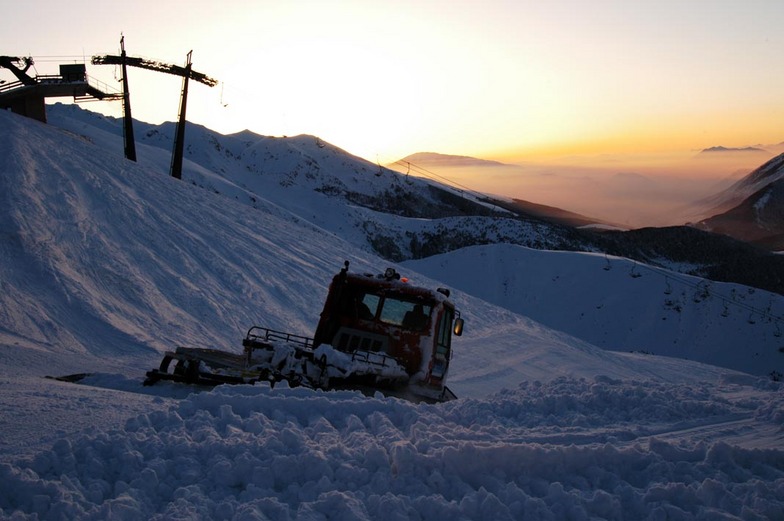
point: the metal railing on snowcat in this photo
(259, 337)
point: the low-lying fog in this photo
(628, 191)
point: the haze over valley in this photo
(631, 191)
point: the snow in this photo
(365, 362)
(105, 264)
(762, 201)
(568, 449)
(622, 305)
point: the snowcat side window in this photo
(444, 340)
(443, 345)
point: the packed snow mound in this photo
(577, 449)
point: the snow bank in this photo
(568, 449)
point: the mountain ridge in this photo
(752, 209)
(720, 149)
(305, 179)
(129, 261)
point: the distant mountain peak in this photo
(434, 158)
(720, 149)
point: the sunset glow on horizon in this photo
(500, 79)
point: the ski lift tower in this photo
(187, 73)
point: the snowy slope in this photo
(307, 179)
(108, 259)
(621, 305)
(103, 255)
(105, 263)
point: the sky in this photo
(509, 80)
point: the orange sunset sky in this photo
(512, 80)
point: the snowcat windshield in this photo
(408, 314)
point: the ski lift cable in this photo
(711, 293)
(432, 175)
(427, 173)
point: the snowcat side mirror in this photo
(458, 329)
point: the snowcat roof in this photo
(402, 287)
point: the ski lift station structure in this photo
(27, 95)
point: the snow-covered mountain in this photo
(383, 211)
(752, 209)
(393, 214)
(373, 207)
(105, 263)
(769, 172)
(261, 228)
(759, 219)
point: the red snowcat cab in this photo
(376, 333)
